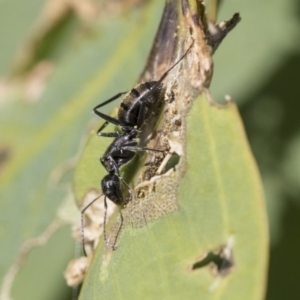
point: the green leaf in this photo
(25, 286)
(239, 76)
(260, 77)
(220, 202)
(16, 21)
(41, 138)
(207, 210)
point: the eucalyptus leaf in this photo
(220, 204)
(185, 233)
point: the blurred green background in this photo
(60, 46)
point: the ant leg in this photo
(104, 116)
(112, 246)
(82, 223)
(133, 148)
(141, 115)
(109, 134)
(109, 100)
(106, 134)
(119, 230)
(107, 118)
(128, 188)
(102, 127)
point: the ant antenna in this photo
(112, 246)
(82, 223)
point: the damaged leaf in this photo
(220, 197)
(211, 197)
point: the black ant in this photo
(134, 110)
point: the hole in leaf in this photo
(222, 265)
(221, 261)
(173, 161)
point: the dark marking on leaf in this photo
(220, 261)
(172, 163)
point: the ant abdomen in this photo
(139, 103)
